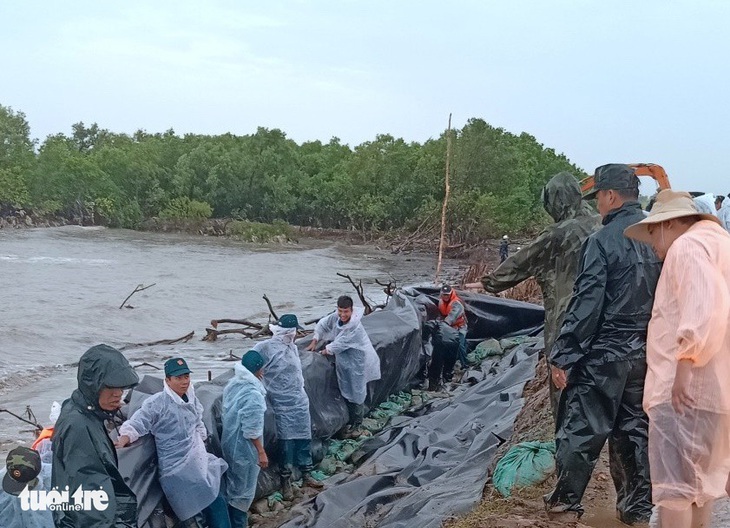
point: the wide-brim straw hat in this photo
(668, 205)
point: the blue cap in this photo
(176, 367)
(289, 321)
(253, 361)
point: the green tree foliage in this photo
(184, 208)
(16, 156)
(386, 183)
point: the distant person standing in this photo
(723, 213)
(504, 249)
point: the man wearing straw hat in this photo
(687, 391)
(599, 358)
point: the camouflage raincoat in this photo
(554, 256)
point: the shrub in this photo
(257, 232)
(184, 208)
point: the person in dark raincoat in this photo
(446, 342)
(600, 358)
(504, 249)
(552, 258)
(83, 453)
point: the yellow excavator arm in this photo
(642, 169)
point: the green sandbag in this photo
(274, 498)
(328, 465)
(394, 407)
(485, 349)
(524, 465)
(318, 475)
(347, 448)
(374, 425)
(380, 414)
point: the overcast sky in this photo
(600, 81)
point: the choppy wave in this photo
(54, 260)
(14, 378)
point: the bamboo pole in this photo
(442, 243)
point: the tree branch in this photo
(139, 288)
(271, 308)
(360, 292)
(34, 424)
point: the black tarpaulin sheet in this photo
(397, 337)
(431, 466)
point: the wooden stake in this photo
(442, 243)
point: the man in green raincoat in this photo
(552, 258)
(83, 453)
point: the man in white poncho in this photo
(189, 475)
(284, 384)
(356, 361)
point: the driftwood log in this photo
(183, 339)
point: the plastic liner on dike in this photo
(411, 474)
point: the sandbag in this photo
(524, 465)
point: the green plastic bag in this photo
(524, 465)
(485, 349)
(274, 498)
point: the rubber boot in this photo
(239, 519)
(434, 385)
(309, 480)
(286, 490)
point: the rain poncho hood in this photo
(12, 514)
(83, 453)
(189, 476)
(242, 417)
(705, 204)
(554, 256)
(561, 197)
(356, 361)
(284, 384)
(103, 366)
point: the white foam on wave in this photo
(14, 378)
(54, 260)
